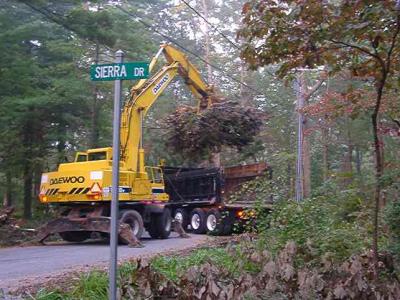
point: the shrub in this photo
(392, 219)
(319, 225)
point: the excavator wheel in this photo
(161, 224)
(75, 236)
(182, 217)
(135, 221)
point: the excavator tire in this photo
(182, 217)
(75, 236)
(161, 224)
(135, 221)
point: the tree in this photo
(360, 37)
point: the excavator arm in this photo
(146, 92)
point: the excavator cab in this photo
(99, 154)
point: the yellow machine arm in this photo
(146, 92)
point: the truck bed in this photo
(191, 186)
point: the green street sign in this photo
(123, 71)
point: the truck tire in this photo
(135, 221)
(160, 226)
(75, 236)
(181, 216)
(198, 221)
(214, 223)
(217, 224)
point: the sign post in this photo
(118, 71)
(119, 55)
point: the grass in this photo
(94, 285)
(174, 266)
(90, 286)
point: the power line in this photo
(217, 30)
(56, 19)
(212, 26)
(172, 40)
(60, 20)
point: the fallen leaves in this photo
(276, 276)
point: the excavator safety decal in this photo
(81, 190)
(51, 192)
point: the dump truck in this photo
(83, 187)
(200, 198)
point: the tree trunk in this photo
(325, 154)
(95, 134)
(215, 159)
(290, 182)
(7, 200)
(37, 179)
(347, 160)
(378, 169)
(358, 161)
(27, 191)
(207, 37)
(306, 144)
(306, 164)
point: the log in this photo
(5, 214)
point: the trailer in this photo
(199, 197)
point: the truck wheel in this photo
(75, 236)
(135, 221)
(198, 221)
(160, 227)
(182, 217)
(214, 222)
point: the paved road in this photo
(19, 264)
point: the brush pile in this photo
(197, 135)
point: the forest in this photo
(313, 87)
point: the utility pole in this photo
(300, 119)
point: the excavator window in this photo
(80, 157)
(97, 156)
(155, 174)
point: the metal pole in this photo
(119, 57)
(299, 166)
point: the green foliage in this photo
(173, 267)
(322, 225)
(49, 106)
(92, 285)
(392, 219)
(339, 34)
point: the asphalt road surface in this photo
(20, 265)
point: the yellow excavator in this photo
(83, 187)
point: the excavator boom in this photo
(146, 92)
